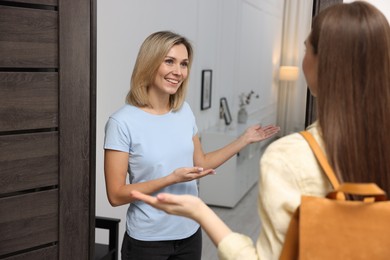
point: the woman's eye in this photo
(184, 64)
(169, 61)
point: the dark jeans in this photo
(183, 249)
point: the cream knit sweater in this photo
(288, 169)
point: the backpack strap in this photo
(321, 158)
(370, 191)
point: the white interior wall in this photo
(258, 57)
(240, 40)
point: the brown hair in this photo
(352, 42)
(150, 56)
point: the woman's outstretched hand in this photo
(190, 173)
(181, 205)
(258, 133)
(191, 207)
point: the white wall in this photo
(240, 40)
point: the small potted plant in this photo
(245, 99)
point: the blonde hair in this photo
(150, 56)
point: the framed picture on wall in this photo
(225, 110)
(205, 101)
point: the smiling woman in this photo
(154, 139)
(135, 135)
(168, 55)
(170, 74)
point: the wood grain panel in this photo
(75, 132)
(36, 225)
(28, 100)
(28, 161)
(28, 220)
(28, 38)
(41, 2)
(47, 253)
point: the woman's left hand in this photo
(257, 133)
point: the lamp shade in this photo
(288, 73)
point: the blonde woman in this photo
(154, 140)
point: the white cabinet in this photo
(234, 178)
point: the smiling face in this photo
(172, 71)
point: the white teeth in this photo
(173, 81)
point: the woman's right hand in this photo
(181, 205)
(189, 173)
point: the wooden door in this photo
(47, 129)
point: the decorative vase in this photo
(242, 115)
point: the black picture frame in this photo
(207, 77)
(224, 106)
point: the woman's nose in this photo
(177, 70)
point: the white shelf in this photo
(236, 176)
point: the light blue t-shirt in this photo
(157, 145)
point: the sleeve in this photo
(279, 196)
(237, 246)
(116, 136)
(283, 170)
(195, 128)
